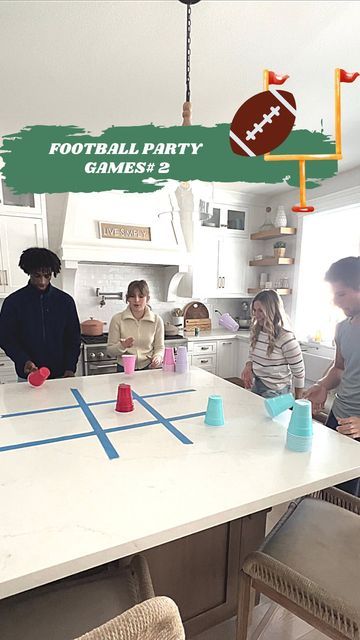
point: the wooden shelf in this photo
(281, 292)
(271, 262)
(273, 233)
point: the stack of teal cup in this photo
(215, 412)
(300, 431)
(278, 404)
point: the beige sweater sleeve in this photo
(159, 344)
(114, 347)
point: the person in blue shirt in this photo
(39, 324)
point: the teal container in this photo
(215, 412)
(275, 406)
(298, 443)
(301, 420)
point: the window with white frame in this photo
(326, 237)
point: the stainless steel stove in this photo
(96, 361)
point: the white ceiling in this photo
(97, 64)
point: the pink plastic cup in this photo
(129, 362)
(169, 359)
(38, 377)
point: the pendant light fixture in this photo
(186, 110)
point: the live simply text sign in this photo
(124, 231)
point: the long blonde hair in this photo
(275, 318)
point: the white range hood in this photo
(79, 222)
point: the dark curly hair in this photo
(39, 259)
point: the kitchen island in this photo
(82, 485)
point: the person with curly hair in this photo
(39, 325)
(275, 358)
(137, 330)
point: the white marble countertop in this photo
(218, 334)
(70, 503)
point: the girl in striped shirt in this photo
(275, 358)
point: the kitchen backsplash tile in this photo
(114, 278)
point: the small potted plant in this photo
(279, 249)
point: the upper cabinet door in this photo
(15, 236)
(233, 265)
(22, 204)
(226, 217)
(206, 280)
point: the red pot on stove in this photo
(92, 327)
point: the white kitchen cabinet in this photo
(232, 266)
(17, 234)
(203, 354)
(27, 203)
(228, 217)
(227, 358)
(205, 278)
(242, 355)
(220, 265)
(7, 369)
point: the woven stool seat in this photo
(310, 564)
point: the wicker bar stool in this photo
(310, 565)
(155, 619)
(68, 608)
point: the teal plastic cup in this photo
(275, 406)
(298, 443)
(301, 421)
(215, 412)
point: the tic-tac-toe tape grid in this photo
(96, 428)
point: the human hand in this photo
(247, 376)
(127, 342)
(68, 374)
(29, 367)
(299, 393)
(349, 426)
(155, 362)
(317, 395)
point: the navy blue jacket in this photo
(42, 327)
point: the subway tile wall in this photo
(114, 278)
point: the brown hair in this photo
(140, 286)
(347, 271)
(275, 318)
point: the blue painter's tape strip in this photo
(168, 393)
(164, 421)
(150, 395)
(126, 427)
(189, 416)
(104, 440)
(37, 443)
(29, 413)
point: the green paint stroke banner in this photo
(56, 159)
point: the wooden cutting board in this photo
(195, 311)
(204, 324)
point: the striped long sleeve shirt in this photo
(285, 362)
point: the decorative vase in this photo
(280, 217)
(268, 225)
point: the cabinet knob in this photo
(204, 361)
(204, 348)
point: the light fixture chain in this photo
(188, 50)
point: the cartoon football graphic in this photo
(262, 123)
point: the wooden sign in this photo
(124, 232)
